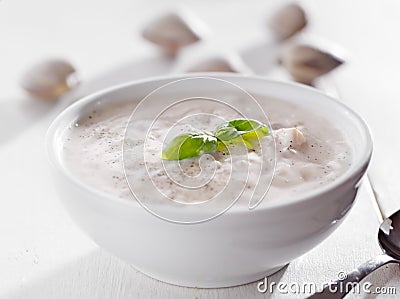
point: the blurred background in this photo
(103, 41)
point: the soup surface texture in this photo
(305, 150)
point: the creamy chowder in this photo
(310, 152)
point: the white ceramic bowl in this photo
(232, 249)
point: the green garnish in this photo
(189, 146)
(247, 131)
(238, 131)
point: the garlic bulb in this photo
(49, 79)
(287, 21)
(172, 32)
(305, 63)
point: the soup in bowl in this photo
(208, 180)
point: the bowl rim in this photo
(357, 171)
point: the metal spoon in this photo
(389, 240)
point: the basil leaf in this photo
(247, 131)
(240, 132)
(226, 133)
(189, 146)
(227, 146)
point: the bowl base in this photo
(214, 284)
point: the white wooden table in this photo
(42, 252)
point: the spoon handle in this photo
(340, 288)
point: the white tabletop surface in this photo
(44, 255)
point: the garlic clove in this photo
(173, 31)
(49, 79)
(305, 63)
(287, 21)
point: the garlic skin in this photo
(305, 63)
(172, 32)
(288, 21)
(49, 79)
